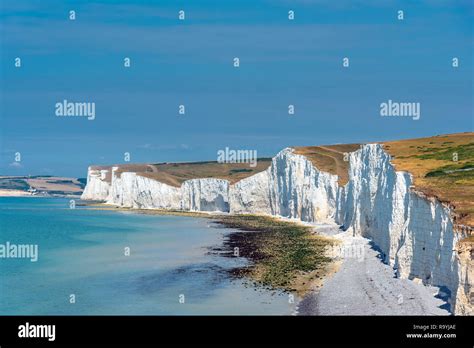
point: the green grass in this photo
(232, 171)
(446, 154)
(14, 184)
(454, 171)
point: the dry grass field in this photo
(19, 185)
(175, 174)
(442, 166)
(329, 158)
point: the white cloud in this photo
(15, 165)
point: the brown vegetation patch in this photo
(436, 172)
(330, 158)
(174, 174)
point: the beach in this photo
(367, 286)
(14, 193)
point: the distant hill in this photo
(41, 185)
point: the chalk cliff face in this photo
(466, 275)
(291, 187)
(135, 191)
(97, 187)
(415, 233)
(205, 195)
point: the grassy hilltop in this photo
(442, 166)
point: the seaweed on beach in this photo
(283, 254)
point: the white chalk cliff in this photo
(97, 187)
(415, 234)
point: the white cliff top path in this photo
(367, 286)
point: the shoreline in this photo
(350, 283)
(364, 285)
(285, 255)
(20, 193)
(297, 270)
(15, 193)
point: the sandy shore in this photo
(364, 285)
(13, 193)
(278, 266)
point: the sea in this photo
(102, 262)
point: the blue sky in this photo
(191, 62)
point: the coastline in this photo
(364, 285)
(353, 281)
(14, 193)
(300, 264)
(20, 193)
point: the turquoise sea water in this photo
(81, 252)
